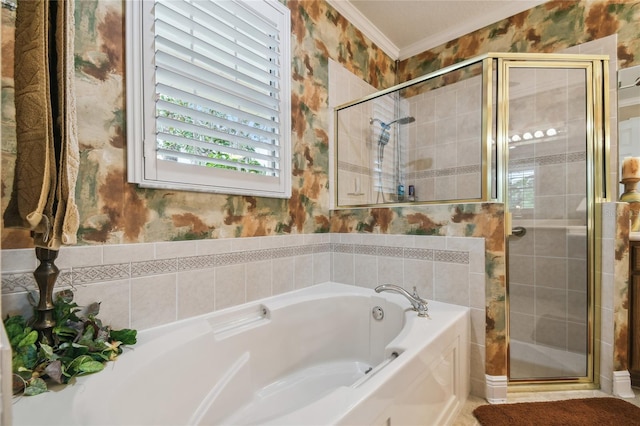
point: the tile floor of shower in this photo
(466, 418)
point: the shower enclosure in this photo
(523, 130)
(420, 142)
(548, 120)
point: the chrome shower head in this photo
(384, 134)
(403, 120)
(387, 126)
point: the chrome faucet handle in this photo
(417, 296)
(421, 305)
(418, 303)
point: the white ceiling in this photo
(403, 28)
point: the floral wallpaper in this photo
(621, 304)
(550, 27)
(113, 211)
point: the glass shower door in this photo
(547, 186)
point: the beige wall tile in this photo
(204, 247)
(365, 270)
(551, 272)
(342, 268)
(173, 249)
(282, 275)
(419, 273)
(521, 298)
(18, 260)
(303, 272)
(76, 256)
(124, 253)
(153, 301)
(321, 267)
(196, 292)
(258, 280)
(115, 301)
(390, 270)
(451, 283)
(230, 286)
(522, 327)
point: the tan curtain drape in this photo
(43, 196)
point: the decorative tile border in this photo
(13, 283)
(341, 248)
(547, 160)
(420, 254)
(450, 171)
(91, 274)
(153, 267)
(422, 174)
(196, 262)
(451, 256)
(369, 250)
(390, 251)
(355, 168)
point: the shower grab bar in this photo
(240, 321)
(375, 370)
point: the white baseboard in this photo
(622, 384)
(496, 389)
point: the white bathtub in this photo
(310, 357)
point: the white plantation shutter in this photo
(215, 88)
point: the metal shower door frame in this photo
(597, 151)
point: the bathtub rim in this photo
(61, 399)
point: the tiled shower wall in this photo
(440, 152)
(547, 291)
(547, 184)
(444, 155)
(358, 163)
(146, 285)
(548, 265)
(355, 158)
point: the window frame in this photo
(143, 167)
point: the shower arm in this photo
(384, 125)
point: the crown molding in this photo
(356, 18)
(360, 21)
(509, 9)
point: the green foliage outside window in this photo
(212, 153)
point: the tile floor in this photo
(466, 418)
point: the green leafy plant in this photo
(81, 345)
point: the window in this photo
(521, 189)
(208, 96)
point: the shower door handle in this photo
(519, 231)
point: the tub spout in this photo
(418, 303)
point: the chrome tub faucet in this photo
(418, 303)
